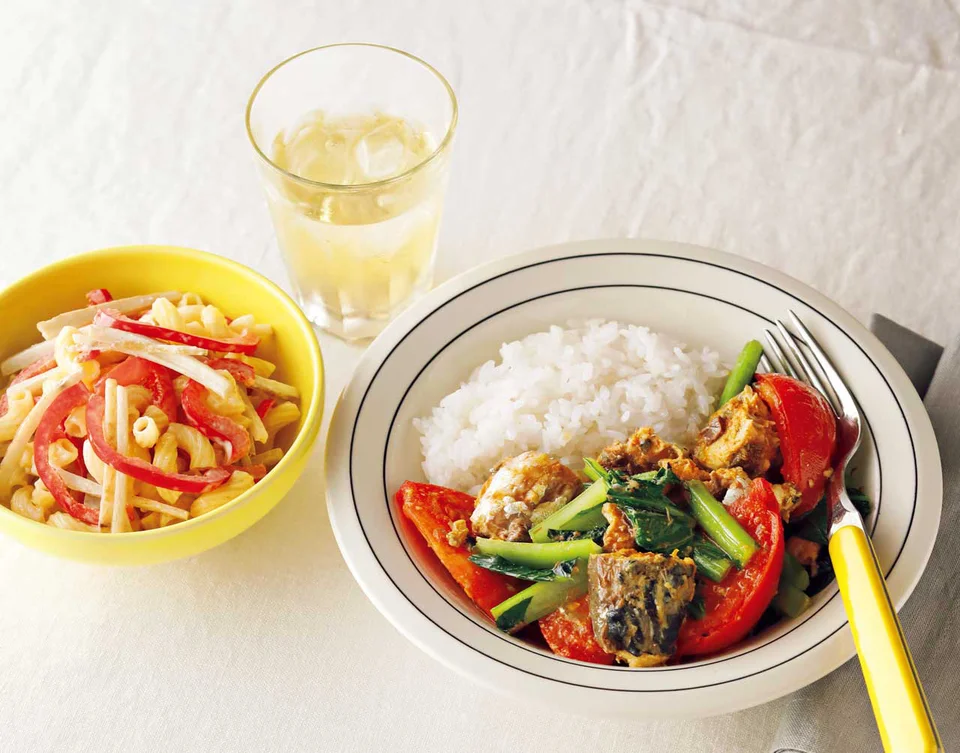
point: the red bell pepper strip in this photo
(241, 372)
(432, 509)
(140, 469)
(37, 367)
(98, 295)
(569, 633)
(734, 605)
(48, 431)
(212, 425)
(265, 405)
(154, 377)
(246, 344)
(807, 428)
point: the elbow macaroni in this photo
(62, 453)
(197, 446)
(145, 432)
(22, 502)
(191, 441)
(190, 299)
(76, 422)
(165, 314)
(159, 417)
(230, 405)
(19, 404)
(279, 416)
(214, 321)
(238, 483)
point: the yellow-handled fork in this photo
(899, 704)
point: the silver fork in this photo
(899, 704)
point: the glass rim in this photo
(355, 187)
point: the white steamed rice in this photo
(569, 392)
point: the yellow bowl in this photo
(132, 270)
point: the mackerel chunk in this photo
(637, 603)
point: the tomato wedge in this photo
(569, 633)
(141, 469)
(431, 509)
(246, 344)
(154, 377)
(807, 428)
(48, 431)
(734, 605)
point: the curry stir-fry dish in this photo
(653, 552)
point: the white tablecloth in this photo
(820, 137)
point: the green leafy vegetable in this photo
(710, 559)
(860, 500)
(649, 502)
(560, 571)
(595, 533)
(659, 532)
(696, 609)
(815, 526)
(646, 482)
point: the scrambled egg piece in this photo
(521, 492)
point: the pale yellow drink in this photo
(362, 254)
(353, 142)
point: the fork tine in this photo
(765, 364)
(844, 396)
(794, 354)
(779, 360)
(810, 374)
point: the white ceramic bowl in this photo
(701, 296)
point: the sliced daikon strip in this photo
(80, 484)
(95, 337)
(119, 520)
(11, 459)
(152, 505)
(257, 430)
(25, 357)
(34, 384)
(80, 317)
(276, 388)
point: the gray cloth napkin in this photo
(834, 715)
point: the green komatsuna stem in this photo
(720, 525)
(743, 370)
(794, 573)
(592, 498)
(790, 600)
(538, 555)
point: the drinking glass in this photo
(353, 145)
